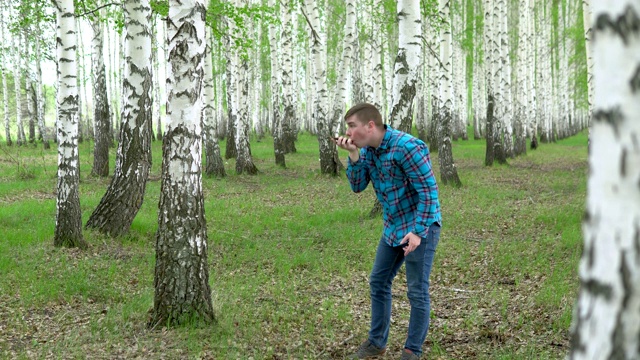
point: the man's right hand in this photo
(347, 144)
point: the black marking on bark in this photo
(636, 242)
(625, 25)
(598, 289)
(612, 117)
(618, 336)
(635, 80)
(623, 163)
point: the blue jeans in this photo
(418, 267)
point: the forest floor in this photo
(290, 253)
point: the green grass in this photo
(290, 251)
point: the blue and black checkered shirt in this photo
(401, 173)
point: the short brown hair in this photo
(365, 112)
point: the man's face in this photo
(358, 132)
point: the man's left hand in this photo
(410, 242)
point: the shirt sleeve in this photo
(417, 166)
(358, 173)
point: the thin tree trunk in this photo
(120, 204)
(5, 93)
(17, 81)
(214, 162)
(68, 230)
(278, 141)
(40, 98)
(181, 279)
(102, 120)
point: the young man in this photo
(399, 167)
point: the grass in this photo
(290, 251)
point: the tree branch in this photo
(316, 38)
(98, 8)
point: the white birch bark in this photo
(244, 161)
(340, 95)
(122, 201)
(586, 14)
(276, 127)
(17, 81)
(505, 102)
(80, 82)
(448, 171)
(181, 280)
(3, 69)
(406, 64)
(606, 320)
(101, 115)
(287, 77)
(68, 231)
(328, 149)
(214, 162)
(40, 97)
(532, 59)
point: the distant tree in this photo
(181, 279)
(214, 162)
(606, 320)
(120, 204)
(68, 231)
(276, 89)
(3, 70)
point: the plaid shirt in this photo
(401, 173)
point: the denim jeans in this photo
(418, 267)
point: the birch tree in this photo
(214, 163)
(448, 171)
(244, 160)
(606, 320)
(17, 82)
(406, 63)
(181, 279)
(120, 204)
(68, 231)
(102, 121)
(276, 130)
(586, 14)
(3, 69)
(328, 151)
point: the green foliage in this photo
(289, 256)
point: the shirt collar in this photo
(385, 140)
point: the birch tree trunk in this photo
(17, 81)
(340, 95)
(406, 64)
(276, 128)
(231, 87)
(288, 119)
(181, 279)
(3, 69)
(68, 231)
(102, 121)
(520, 146)
(29, 88)
(80, 82)
(156, 76)
(120, 204)
(586, 14)
(214, 163)
(504, 95)
(244, 161)
(40, 97)
(606, 320)
(490, 64)
(328, 151)
(448, 171)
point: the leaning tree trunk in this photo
(102, 121)
(181, 279)
(606, 320)
(448, 171)
(214, 162)
(68, 230)
(125, 194)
